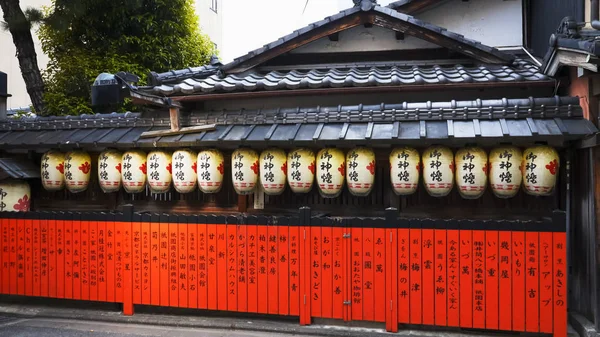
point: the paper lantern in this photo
(159, 171)
(505, 173)
(438, 170)
(53, 171)
(301, 170)
(273, 171)
(184, 171)
(15, 196)
(78, 167)
(133, 175)
(331, 172)
(360, 171)
(405, 169)
(244, 171)
(109, 170)
(471, 172)
(540, 166)
(211, 169)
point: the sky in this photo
(250, 24)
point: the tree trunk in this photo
(21, 34)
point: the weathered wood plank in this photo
(181, 131)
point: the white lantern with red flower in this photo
(331, 172)
(244, 171)
(211, 169)
(184, 171)
(78, 166)
(15, 196)
(438, 170)
(133, 172)
(505, 171)
(53, 170)
(159, 171)
(301, 170)
(471, 172)
(360, 171)
(273, 171)
(540, 167)
(109, 171)
(405, 169)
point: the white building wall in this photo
(211, 19)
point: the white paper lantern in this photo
(78, 167)
(15, 196)
(438, 170)
(301, 170)
(133, 175)
(109, 170)
(360, 171)
(184, 171)
(505, 171)
(159, 171)
(540, 167)
(405, 169)
(244, 171)
(331, 172)
(471, 172)
(53, 170)
(211, 169)
(273, 171)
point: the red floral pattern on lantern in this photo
(195, 167)
(342, 169)
(170, 168)
(452, 166)
(552, 166)
(118, 167)
(221, 168)
(284, 168)
(486, 168)
(61, 168)
(255, 167)
(143, 168)
(521, 168)
(85, 168)
(419, 167)
(311, 167)
(371, 167)
(22, 205)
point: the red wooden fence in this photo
(495, 275)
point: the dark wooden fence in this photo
(496, 275)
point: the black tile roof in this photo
(16, 168)
(554, 119)
(573, 37)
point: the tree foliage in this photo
(84, 38)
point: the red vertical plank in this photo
(202, 263)
(102, 252)
(263, 290)
(6, 261)
(316, 272)
(93, 258)
(337, 237)
(15, 256)
(283, 269)
(192, 255)
(44, 272)
(479, 279)
(155, 260)
(36, 257)
(242, 267)
(136, 261)
(545, 275)
(84, 259)
(532, 282)
(253, 271)
(428, 281)
(294, 271)
(222, 267)
(165, 281)
(173, 263)
(232, 268)
(453, 267)
(127, 268)
(146, 260)
(415, 261)
(212, 265)
(441, 285)
(560, 283)
(404, 260)
(380, 271)
(3, 247)
(505, 281)
(491, 280)
(68, 258)
(182, 262)
(273, 256)
(110, 261)
(119, 260)
(327, 272)
(28, 279)
(391, 272)
(466, 275)
(50, 257)
(76, 256)
(518, 280)
(305, 270)
(368, 268)
(357, 271)
(60, 258)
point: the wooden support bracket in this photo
(181, 131)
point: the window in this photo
(214, 5)
(215, 45)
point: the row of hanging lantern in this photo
(507, 169)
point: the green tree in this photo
(84, 38)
